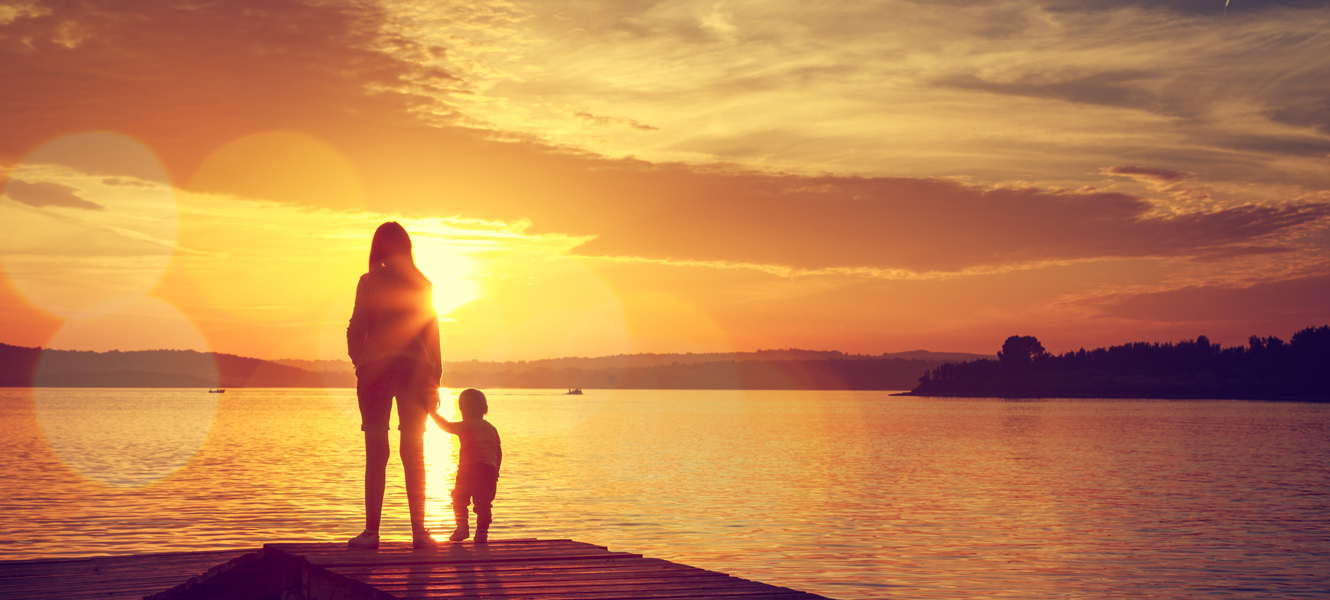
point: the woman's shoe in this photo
(366, 540)
(422, 539)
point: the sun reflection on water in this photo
(441, 449)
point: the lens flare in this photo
(112, 436)
(85, 219)
(272, 269)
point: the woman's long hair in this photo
(392, 244)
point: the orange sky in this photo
(613, 177)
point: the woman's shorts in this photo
(376, 386)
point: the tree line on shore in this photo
(1266, 368)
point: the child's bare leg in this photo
(483, 501)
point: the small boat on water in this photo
(574, 392)
(217, 391)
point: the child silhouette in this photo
(477, 463)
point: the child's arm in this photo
(443, 423)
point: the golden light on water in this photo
(119, 440)
(441, 449)
(1028, 499)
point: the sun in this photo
(451, 273)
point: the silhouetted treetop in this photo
(1021, 349)
(1266, 368)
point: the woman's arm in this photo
(431, 341)
(358, 329)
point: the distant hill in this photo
(634, 361)
(790, 369)
(764, 369)
(152, 368)
(333, 366)
(1267, 368)
(791, 374)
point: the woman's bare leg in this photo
(376, 467)
(412, 451)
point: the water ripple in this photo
(846, 494)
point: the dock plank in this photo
(670, 588)
(563, 585)
(551, 578)
(328, 555)
(516, 569)
(791, 595)
(566, 571)
(104, 577)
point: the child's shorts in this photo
(476, 484)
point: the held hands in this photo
(432, 401)
(439, 420)
(432, 404)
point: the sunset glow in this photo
(678, 176)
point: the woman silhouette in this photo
(393, 341)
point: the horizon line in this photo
(347, 360)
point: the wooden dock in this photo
(104, 577)
(499, 570)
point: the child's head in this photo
(472, 404)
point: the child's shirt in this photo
(479, 440)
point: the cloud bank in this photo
(844, 151)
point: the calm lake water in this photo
(846, 494)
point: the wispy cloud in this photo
(1170, 183)
(13, 11)
(1150, 174)
(46, 193)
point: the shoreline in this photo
(1306, 399)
